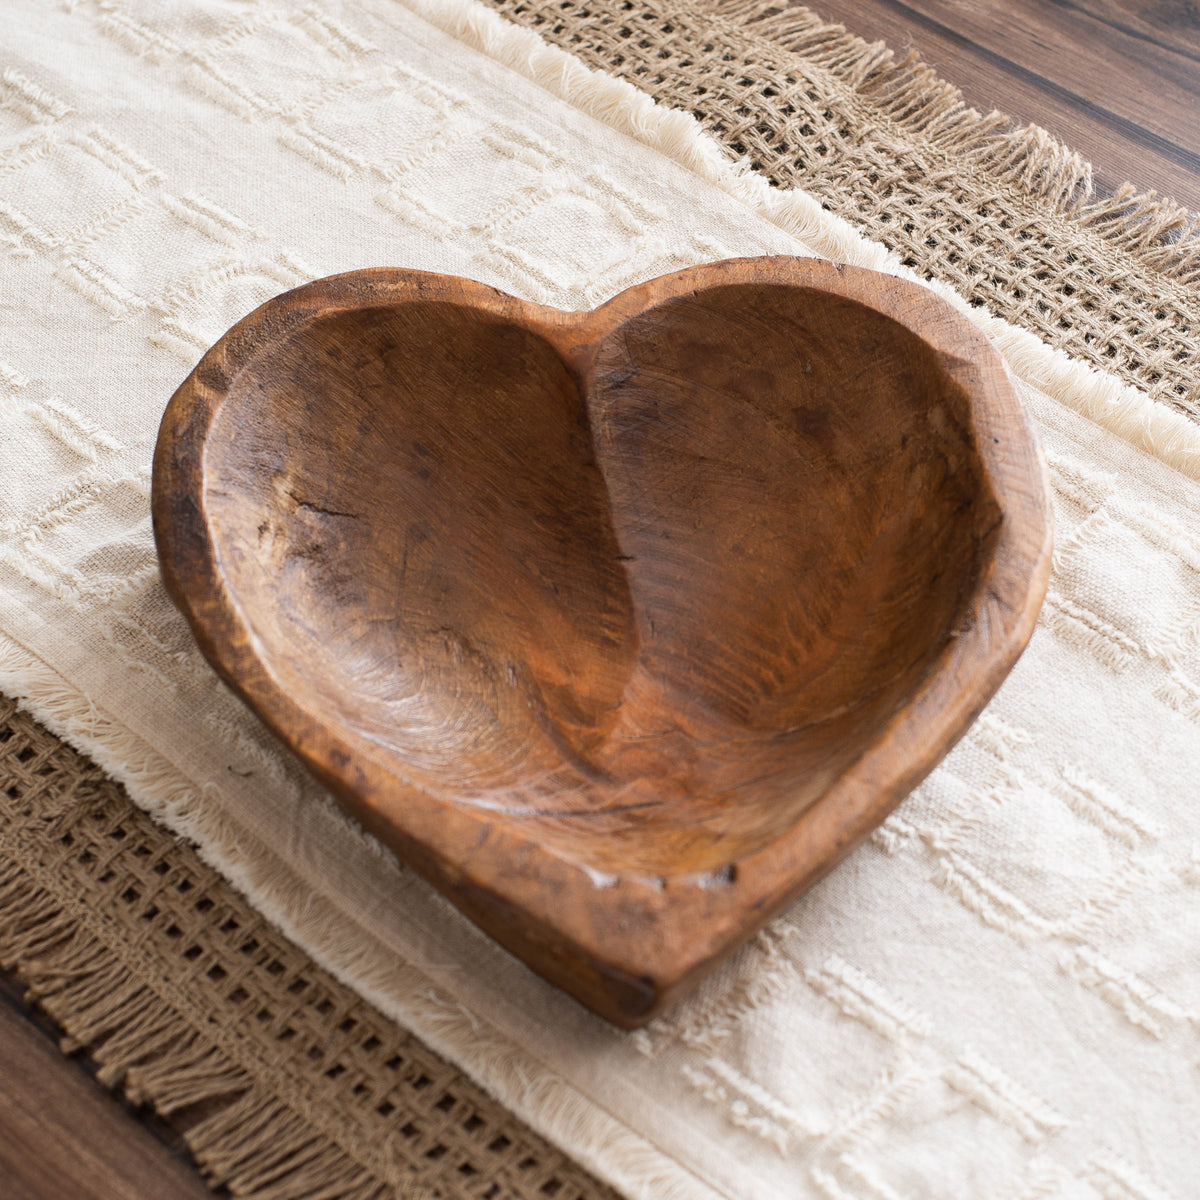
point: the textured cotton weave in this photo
(999, 996)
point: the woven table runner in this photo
(1005, 215)
(285, 1081)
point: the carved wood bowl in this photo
(620, 627)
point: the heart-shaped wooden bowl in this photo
(620, 627)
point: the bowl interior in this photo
(641, 596)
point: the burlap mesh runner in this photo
(284, 1083)
(1006, 216)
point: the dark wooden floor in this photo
(1120, 82)
(63, 1136)
(1117, 80)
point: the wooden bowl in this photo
(620, 627)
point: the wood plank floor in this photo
(1117, 81)
(1120, 82)
(63, 1136)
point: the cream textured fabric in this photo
(999, 997)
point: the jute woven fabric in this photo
(1006, 215)
(994, 975)
(282, 1080)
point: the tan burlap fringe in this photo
(1007, 216)
(283, 1083)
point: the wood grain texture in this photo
(621, 627)
(65, 1137)
(1119, 83)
